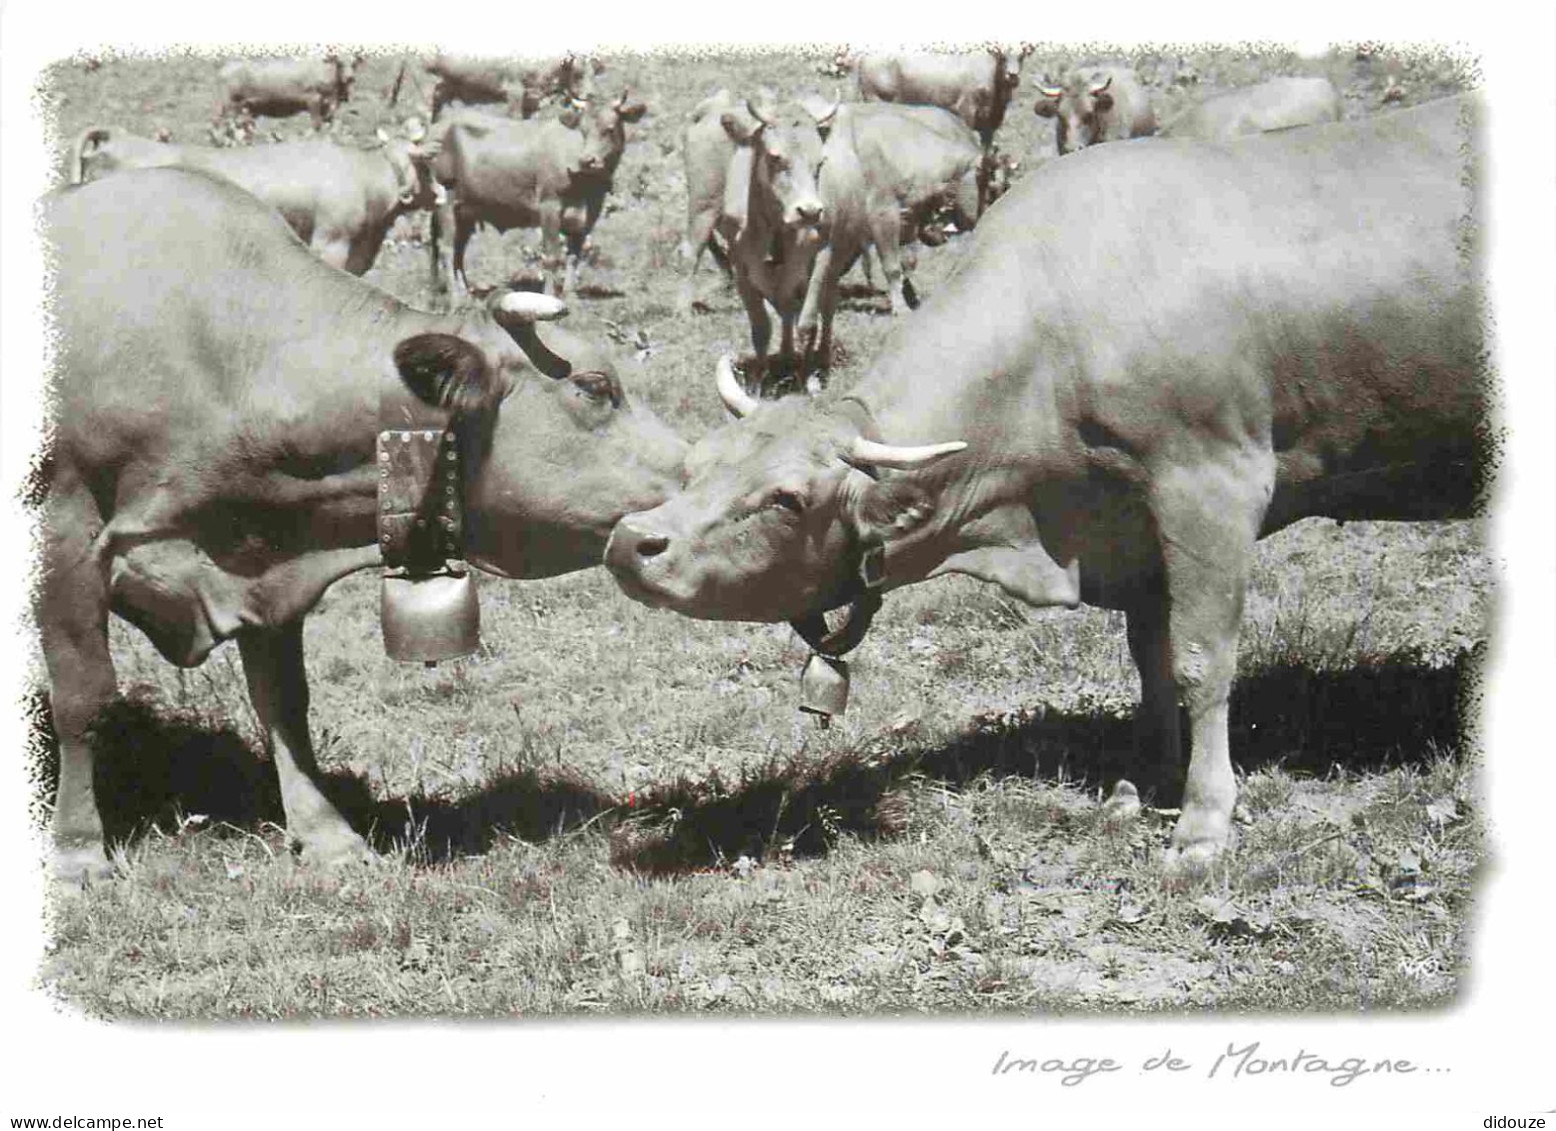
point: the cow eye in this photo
(785, 499)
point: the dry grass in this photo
(614, 809)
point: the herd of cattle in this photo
(1152, 354)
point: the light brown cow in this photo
(282, 87)
(1097, 104)
(340, 200)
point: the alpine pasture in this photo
(614, 809)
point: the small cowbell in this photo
(430, 617)
(824, 687)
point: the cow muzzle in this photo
(630, 554)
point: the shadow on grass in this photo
(155, 764)
(1391, 712)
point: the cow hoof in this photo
(80, 865)
(338, 851)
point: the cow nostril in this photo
(652, 545)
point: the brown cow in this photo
(341, 201)
(211, 470)
(1097, 104)
(553, 175)
(282, 87)
(524, 87)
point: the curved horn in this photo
(532, 306)
(622, 101)
(1051, 91)
(1104, 86)
(737, 400)
(752, 110)
(901, 458)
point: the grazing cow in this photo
(524, 86)
(282, 87)
(211, 468)
(341, 201)
(776, 156)
(553, 175)
(1276, 104)
(1097, 104)
(885, 169)
(976, 88)
(1151, 356)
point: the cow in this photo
(1276, 104)
(282, 87)
(976, 88)
(553, 175)
(1096, 104)
(776, 156)
(342, 201)
(211, 470)
(522, 86)
(717, 183)
(1151, 356)
(885, 170)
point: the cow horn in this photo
(1051, 91)
(531, 306)
(755, 113)
(1104, 86)
(737, 400)
(901, 458)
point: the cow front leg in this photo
(464, 227)
(278, 687)
(551, 257)
(72, 612)
(761, 334)
(1207, 515)
(575, 249)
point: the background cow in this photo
(553, 175)
(1097, 104)
(885, 170)
(212, 469)
(524, 87)
(1277, 104)
(282, 87)
(340, 200)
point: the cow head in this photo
(555, 452)
(776, 513)
(603, 126)
(1007, 66)
(1080, 110)
(345, 74)
(411, 157)
(785, 160)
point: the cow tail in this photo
(89, 139)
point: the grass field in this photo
(612, 809)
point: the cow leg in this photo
(73, 615)
(278, 687)
(699, 238)
(464, 227)
(885, 233)
(761, 334)
(820, 302)
(1207, 516)
(1158, 728)
(575, 247)
(551, 258)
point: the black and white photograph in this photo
(940, 569)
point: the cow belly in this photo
(178, 597)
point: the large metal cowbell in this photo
(427, 604)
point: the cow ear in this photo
(1046, 107)
(632, 111)
(447, 372)
(735, 125)
(884, 510)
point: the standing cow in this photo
(211, 471)
(553, 175)
(1097, 104)
(777, 152)
(1151, 356)
(1276, 104)
(282, 87)
(885, 170)
(525, 87)
(340, 200)
(976, 88)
